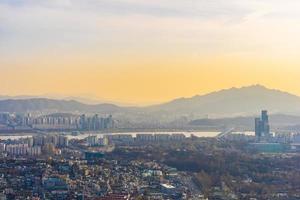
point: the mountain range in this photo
(244, 101)
(234, 102)
(86, 99)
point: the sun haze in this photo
(143, 52)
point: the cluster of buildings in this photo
(143, 137)
(94, 140)
(263, 135)
(160, 137)
(79, 179)
(52, 144)
(23, 150)
(14, 122)
(95, 123)
(265, 141)
(77, 172)
(57, 167)
(107, 139)
(52, 122)
(34, 146)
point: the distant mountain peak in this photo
(243, 89)
(228, 102)
(255, 89)
(234, 101)
(255, 86)
(248, 87)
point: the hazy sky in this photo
(145, 51)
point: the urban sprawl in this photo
(89, 165)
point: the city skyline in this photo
(143, 52)
(149, 99)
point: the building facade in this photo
(262, 126)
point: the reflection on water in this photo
(14, 137)
(187, 134)
(84, 135)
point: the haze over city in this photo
(149, 100)
(144, 52)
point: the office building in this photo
(262, 127)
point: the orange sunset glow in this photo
(144, 52)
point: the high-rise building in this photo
(258, 127)
(63, 141)
(262, 127)
(95, 123)
(91, 140)
(103, 141)
(22, 149)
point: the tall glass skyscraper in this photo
(262, 127)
